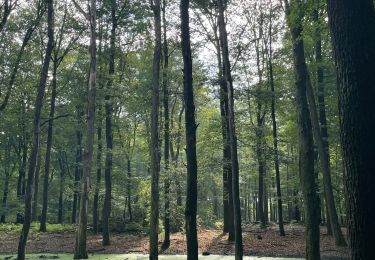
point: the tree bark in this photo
(191, 141)
(352, 26)
(77, 171)
(232, 133)
(95, 217)
(80, 251)
(306, 163)
(36, 135)
(155, 147)
(34, 212)
(167, 180)
(43, 218)
(108, 129)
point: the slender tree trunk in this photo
(167, 180)
(129, 204)
(155, 147)
(352, 25)
(275, 140)
(191, 141)
(43, 219)
(60, 214)
(77, 173)
(324, 164)
(80, 251)
(306, 163)
(227, 167)
(34, 212)
(108, 129)
(232, 133)
(36, 135)
(6, 183)
(95, 217)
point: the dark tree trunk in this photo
(155, 147)
(95, 217)
(34, 212)
(43, 219)
(227, 167)
(60, 214)
(80, 251)
(7, 174)
(108, 130)
(352, 25)
(23, 148)
(321, 136)
(36, 135)
(191, 141)
(167, 180)
(33, 25)
(274, 135)
(77, 172)
(232, 132)
(129, 203)
(306, 163)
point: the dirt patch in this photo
(256, 242)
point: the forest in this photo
(186, 129)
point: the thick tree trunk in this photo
(80, 251)
(191, 138)
(232, 132)
(352, 25)
(306, 163)
(47, 163)
(167, 180)
(36, 135)
(155, 147)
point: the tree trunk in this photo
(227, 168)
(77, 172)
(191, 141)
(95, 214)
(306, 163)
(352, 26)
(232, 133)
(167, 180)
(108, 129)
(155, 147)
(6, 183)
(80, 251)
(43, 219)
(36, 135)
(275, 140)
(60, 215)
(129, 204)
(34, 212)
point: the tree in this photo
(80, 251)
(274, 129)
(154, 146)
(294, 12)
(36, 134)
(167, 225)
(108, 128)
(191, 128)
(232, 132)
(353, 37)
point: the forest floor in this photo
(256, 242)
